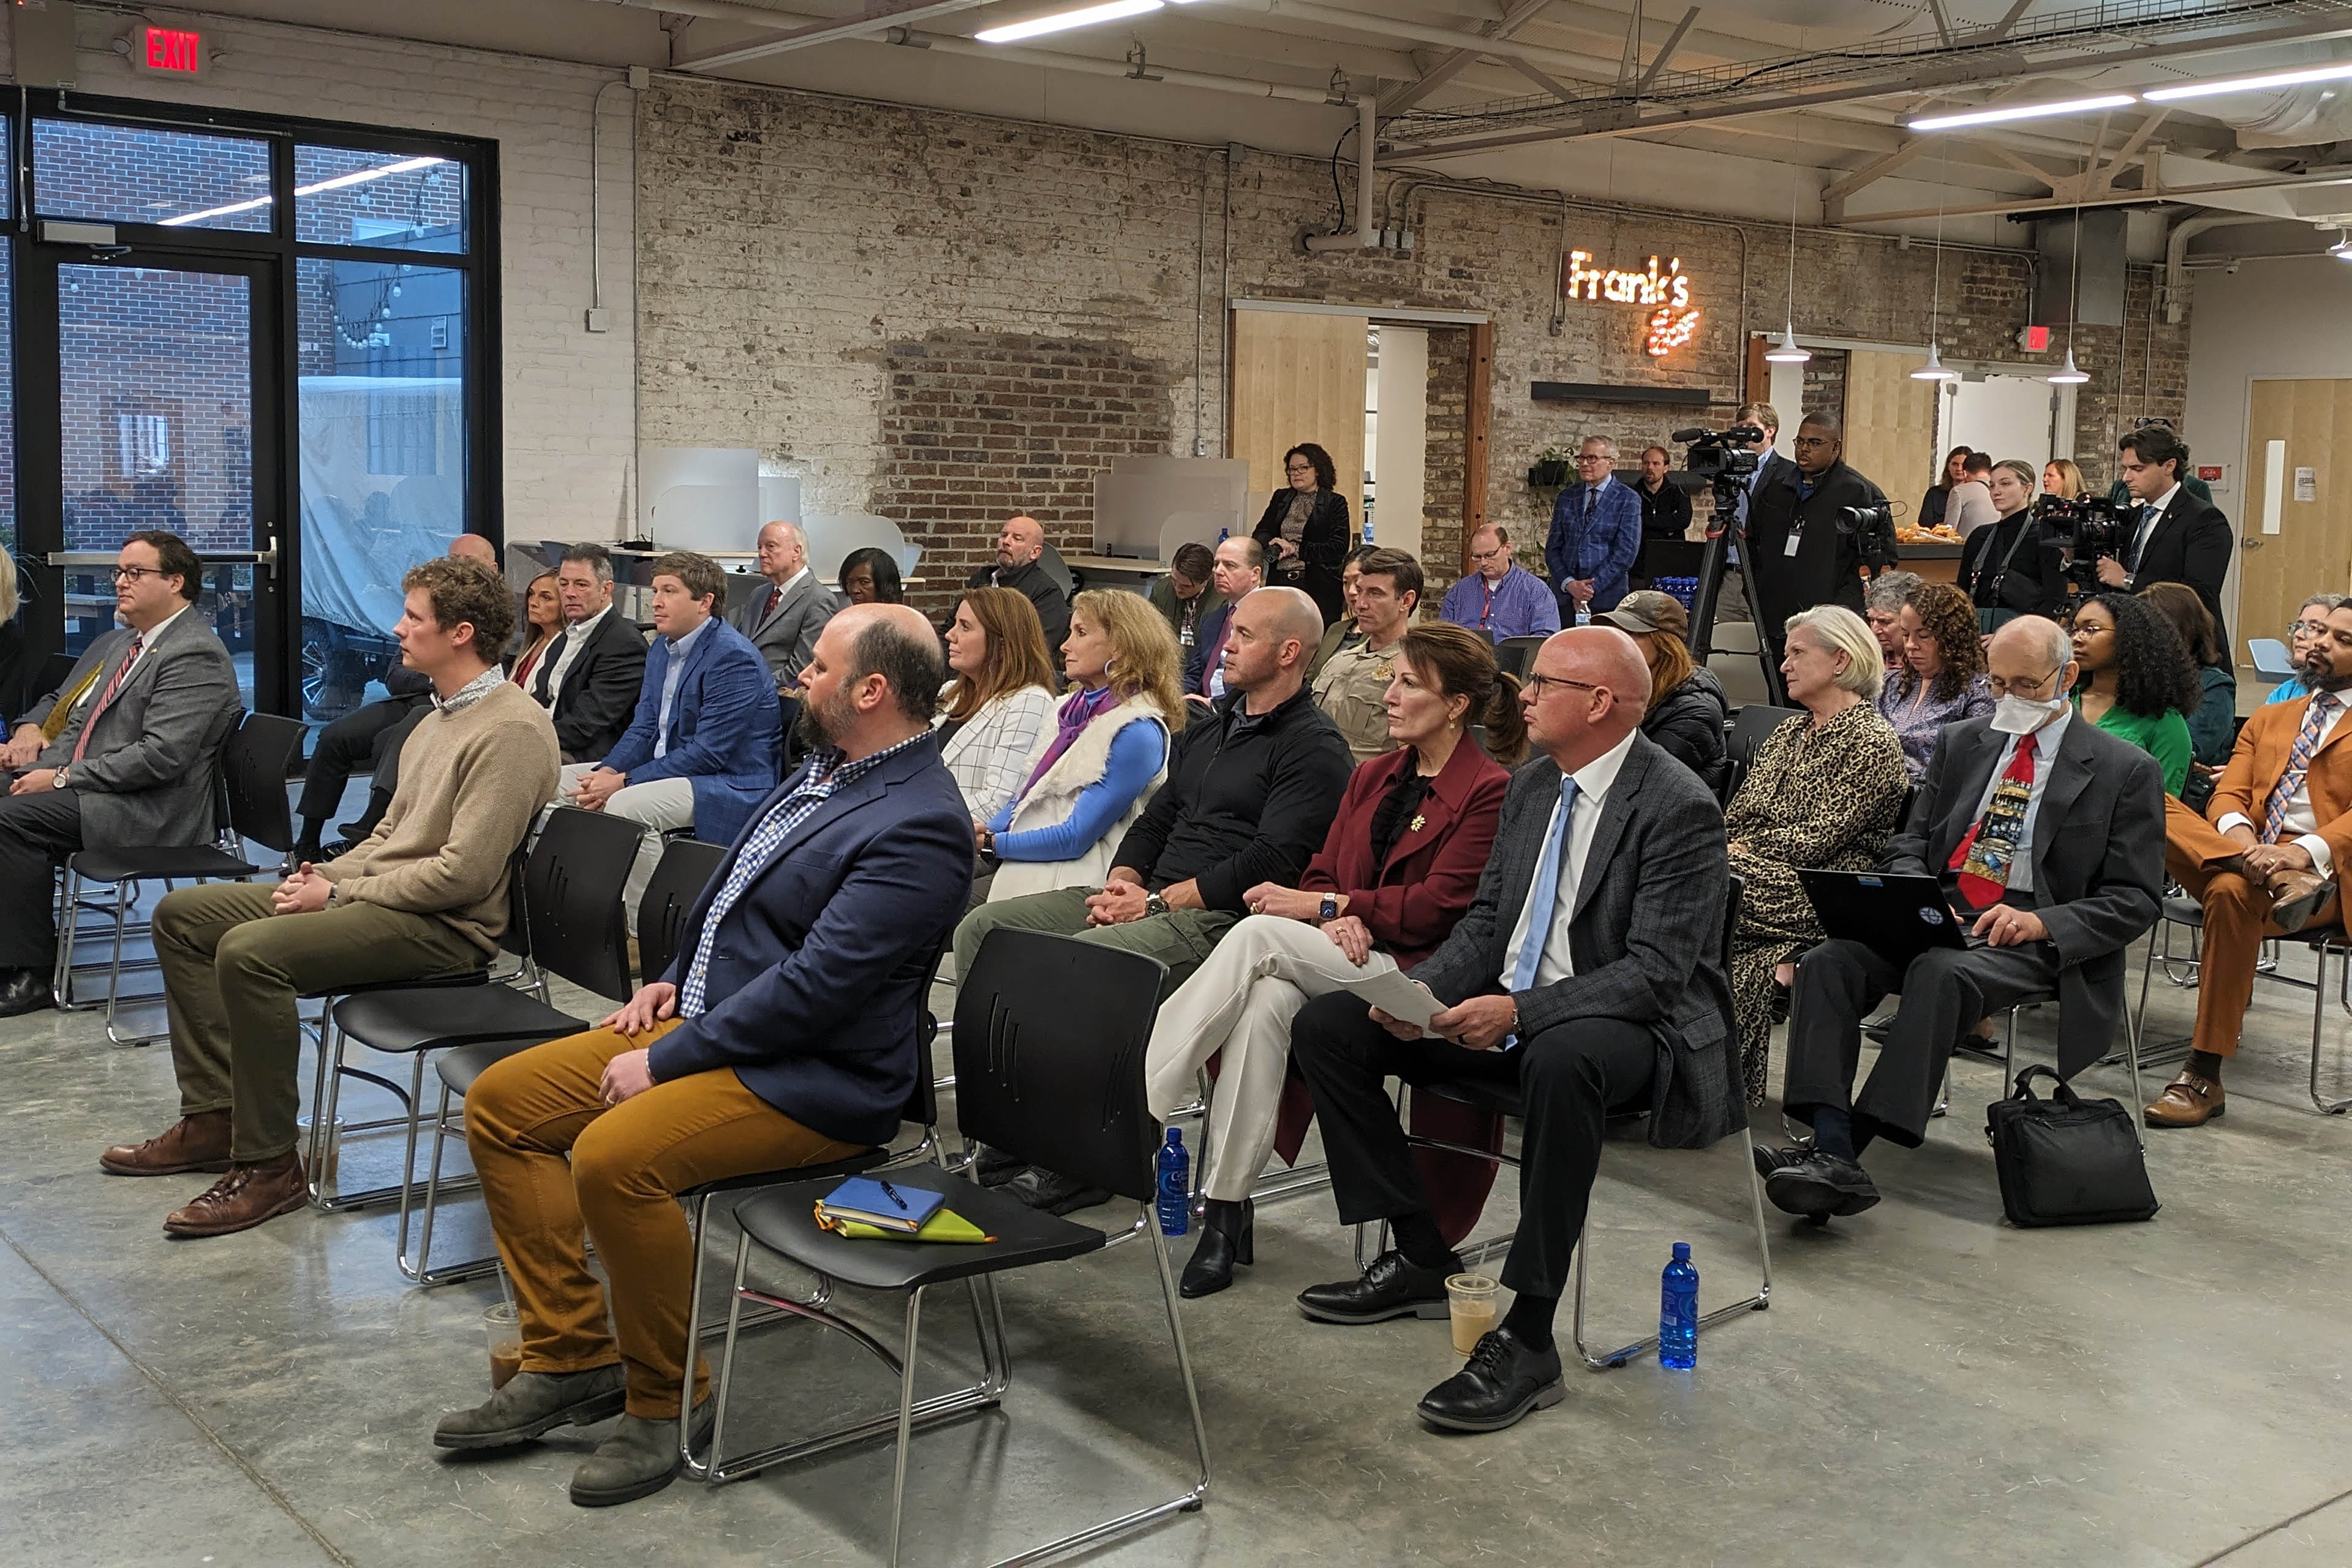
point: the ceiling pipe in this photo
(2176, 255)
(818, 33)
(1368, 223)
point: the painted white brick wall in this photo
(567, 398)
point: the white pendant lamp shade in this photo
(2067, 375)
(1933, 369)
(1787, 350)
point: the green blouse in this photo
(2165, 738)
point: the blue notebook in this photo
(873, 1201)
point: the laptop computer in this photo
(1897, 916)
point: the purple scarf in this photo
(1081, 709)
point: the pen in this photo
(892, 1193)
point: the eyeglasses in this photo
(1537, 682)
(1300, 467)
(1494, 554)
(1808, 442)
(1593, 457)
(2307, 629)
(133, 573)
(2024, 688)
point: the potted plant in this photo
(1550, 472)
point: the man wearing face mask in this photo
(2048, 836)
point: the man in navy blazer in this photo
(786, 1033)
(707, 738)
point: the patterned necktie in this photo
(775, 597)
(1984, 857)
(2298, 762)
(2139, 533)
(1543, 898)
(81, 741)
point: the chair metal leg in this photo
(905, 1417)
(1608, 1360)
(2319, 1026)
(421, 1270)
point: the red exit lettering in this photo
(175, 50)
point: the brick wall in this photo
(791, 244)
(978, 426)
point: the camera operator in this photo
(1802, 549)
(2175, 538)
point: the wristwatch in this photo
(1329, 909)
(1153, 904)
(57, 780)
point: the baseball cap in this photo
(1648, 611)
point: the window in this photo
(386, 201)
(124, 173)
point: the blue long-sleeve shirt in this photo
(1137, 752)
(1602, 550)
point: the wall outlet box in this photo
(641, 77)
(600, 320)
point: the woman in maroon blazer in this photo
(1398, 868)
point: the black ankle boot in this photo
(1226, 1238)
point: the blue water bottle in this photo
(1176, 1185)
(1677, 1309)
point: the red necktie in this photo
(81, 741)
(2006, 819)
(775, 597)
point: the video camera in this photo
(1871, 527)
(1718, 455)
(2089, 526)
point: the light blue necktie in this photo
(1543, 898)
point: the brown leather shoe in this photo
(2296, 897)
(198, 1142)
(2190, 1100)
(247, 1195)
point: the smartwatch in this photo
(1330, 907)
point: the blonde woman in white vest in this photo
(1107, 754)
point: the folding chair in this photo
(1514, 654)
(1049, 1062)
(250, 771)
(1750, 726)
(567, 919)
(2327, 942)
(1505, 1100)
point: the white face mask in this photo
(2022, 716)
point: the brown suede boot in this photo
(198, 1142)
(247, 1195)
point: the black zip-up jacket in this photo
(1246, 801)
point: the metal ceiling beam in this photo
(2147, 196)
(1666, 51)
(1580, 68)
(1548, 84)
(2000, 30)
(1627, 118)
(1453, 65)
(877, 19)
(1834, 195)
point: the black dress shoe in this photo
(1770, 1163)
(24, 991)
(1226, 1238)
(1047, 1192)
(1819, 1186)
(1390, 1288)
(1503, 1379)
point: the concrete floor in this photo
(1929, 1385)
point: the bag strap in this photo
(2024, 1088)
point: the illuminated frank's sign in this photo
(1665, 289)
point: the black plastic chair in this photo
(1049, 1043)
(1514, 654)
(1750, 725)
(250, 803)
(1504, 1100)
(424, 1023)
(567, 921)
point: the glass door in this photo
(152, 364)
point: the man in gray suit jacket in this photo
(1587, 979)
(2052, 853)
(134, 762)
(783, 618)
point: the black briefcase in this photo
(2067, 1160)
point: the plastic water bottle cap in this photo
(1176, 1141)
(1682, 1248)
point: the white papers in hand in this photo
(1399, 997)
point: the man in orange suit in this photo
(2264, 859)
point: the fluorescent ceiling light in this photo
(356, 177)
(2020, 112)
(2248, 83)
(1062, 21)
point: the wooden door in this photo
(1890, 424)
(2311, 551)
(1298, 376)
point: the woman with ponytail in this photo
(1397, 870)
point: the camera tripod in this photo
(1714, 562)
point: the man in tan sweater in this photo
(425, 895)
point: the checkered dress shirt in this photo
(812, 787)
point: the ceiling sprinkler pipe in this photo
(1367, 222)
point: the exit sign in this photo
(174, 51)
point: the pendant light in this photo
(2067, 374)
(1787, 350)
(1933, 369)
